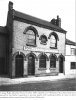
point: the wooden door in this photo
(2, 66)
(31, 65)
(61, 65)
(42, 62)
(52, 62)
(19, 66)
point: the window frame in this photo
(73, 65)
(73, 53)
(53, 58)
(55, 47)
(40, 62)
(43, 36)
(29, 43)
(56, 37)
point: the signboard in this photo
(37, 49)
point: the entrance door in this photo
(31, 65)
(19, 66)
(61, 65)
(42, 61)
(52, 62)
(2, 66)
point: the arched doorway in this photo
(19, 66)
(42, 61)
(31, 65)
(61, 64)
(52, 62)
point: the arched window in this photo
(53, 41)
(31, 65)
(31, 37)
(42, 61)
(53, 62)
(43, 39)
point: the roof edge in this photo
(15, 16)
(69, 42)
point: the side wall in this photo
(3, 54)
(68, 59)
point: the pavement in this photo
(33, 79)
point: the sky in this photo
(46, 10)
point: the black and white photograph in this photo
(37, 48)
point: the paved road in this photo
(60, 85)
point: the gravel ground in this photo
(59, 85)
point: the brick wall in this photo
(19, 45)
(19, 39)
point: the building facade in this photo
(34, 47)
(70, 57)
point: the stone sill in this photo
(31, 45)
(73, 69)
(41, 68)
(43, 43)
(52, 68)
(53, 47)
(47, 74)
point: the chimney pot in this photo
(58, 21)
(57, 17)
(10, 5)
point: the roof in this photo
(37, 21)
(3, 29)
(69, 42)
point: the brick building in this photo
(31, 46)
(70, 57)
(3, 50)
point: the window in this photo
(43, 39)
(42, 61)
(73, 51)
(53, 62)
(31, 38)
(73, 65)
(53, 41)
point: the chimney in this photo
(10, 6)
(10, 16)
(58, 21)
(53, 21)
